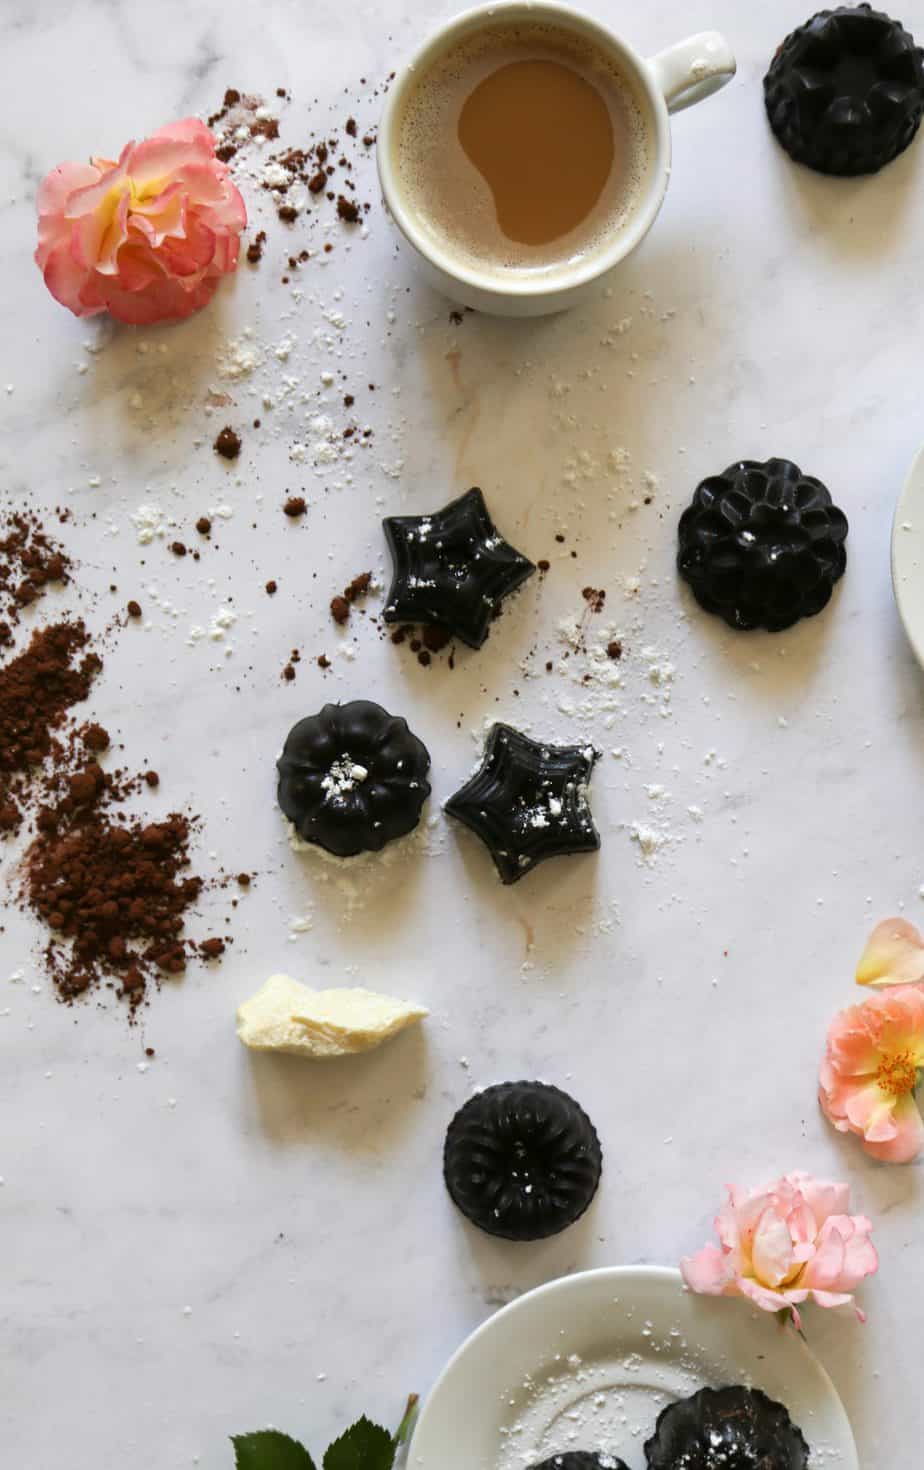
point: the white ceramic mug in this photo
(673, 79)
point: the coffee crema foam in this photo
(450, 198)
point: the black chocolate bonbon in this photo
(451, 568)
(731, 1428)
(762, 545)
(845, 92)
(528, 801)
(522, 1160)
(352, 778)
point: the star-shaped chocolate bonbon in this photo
(528, 801)
(452, 568)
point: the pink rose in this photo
(146, 239)
(783, 1244)
(869, 1072)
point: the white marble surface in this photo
(223, 1242)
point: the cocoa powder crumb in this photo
(203, 525)
(339, 610)
(133, 609)
(436, 637)
(323, 661)
(178, 548)
(358, 587)
(95, 737)
(296, 505)
(543, 565)
(287, 213)
(271, 588)
(228, 443)
(255, 248)
(152, 778)
(347, 209)
(614, 649)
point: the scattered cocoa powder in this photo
(614, 649)
(228, 443)
(595, 597)
(29, 560)
(203, 525)
(296, 505)
(271, 588)
(339, 610)
(133, 609)
(323, 661)
(37, 690)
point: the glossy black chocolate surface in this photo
(528, 801)
(451, 568)
(522, 1160)
(352, 778)
(730, 1428)
(845, 92)
(581, 1460)
(762, 545)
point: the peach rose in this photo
(147, 238)
(781, 1245)
(870, 1070)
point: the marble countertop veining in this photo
(222, 1241)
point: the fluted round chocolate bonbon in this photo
(762, 545)
(352, 778)
(845, 91)
(522, 1160)
(732, 1428)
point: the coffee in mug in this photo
(522, 147)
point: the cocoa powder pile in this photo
(37, 690)
(112, 887)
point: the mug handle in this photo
(693, 69)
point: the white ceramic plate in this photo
(589, 1361)
(908, 556)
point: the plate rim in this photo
(665, 1275)
(915, 638)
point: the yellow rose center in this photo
(897, 1074)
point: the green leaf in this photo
(270, 1450)
(364, 1446)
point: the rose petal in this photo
(907, 1141)
(708, 1272)
(894, 955)
(771, 1252)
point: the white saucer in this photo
(908, 556)
(589, 1361)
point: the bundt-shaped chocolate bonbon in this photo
(731, 1428)
(522, 1160)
